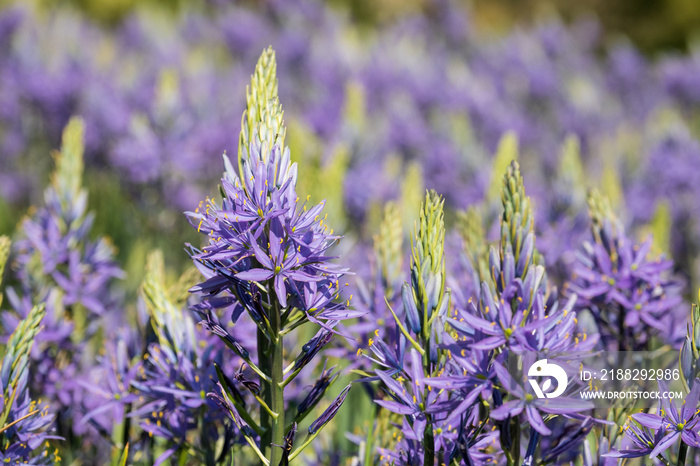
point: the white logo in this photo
(542, 368)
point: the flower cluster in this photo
(59, 265)
(455, 371)
(25, 424)
(268, 255)
(653, 434)
(457, 286)
(626, 289)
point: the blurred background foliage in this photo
(652, 25)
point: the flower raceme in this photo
(268, 255)
(259, 234)
(628, 293)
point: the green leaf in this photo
(125, 456)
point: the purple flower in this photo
(109, 385)
(643, 439)
(628, 292)
(469, 378)
(675, 424)
(413, 404)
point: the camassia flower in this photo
(467, 378)
(628, 292)
(643, 439)
(413, 404)
(520, 321)
(276, 241)
(683, 423)
(268, 254)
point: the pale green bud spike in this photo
(605, 225)
(506, 153)
(319, 181)
(611, 185)
(660, 228)
(411, 194)
(388, 247)
(570, 166)
(461, 130)
(5, 244)
(517, 221)
(330, 184)
(172, 330)
(604, 222)
(263, 117)
(354, 111)
(167, 92)
(470, 225)
(67, 177)
(16, 357)
(428, 262)
(430, 234)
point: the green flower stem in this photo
(277, 366)
(428, 442)
(265, 418)
(272, 363)
(428, 436)
(682, 453)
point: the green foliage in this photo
(124, 456)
